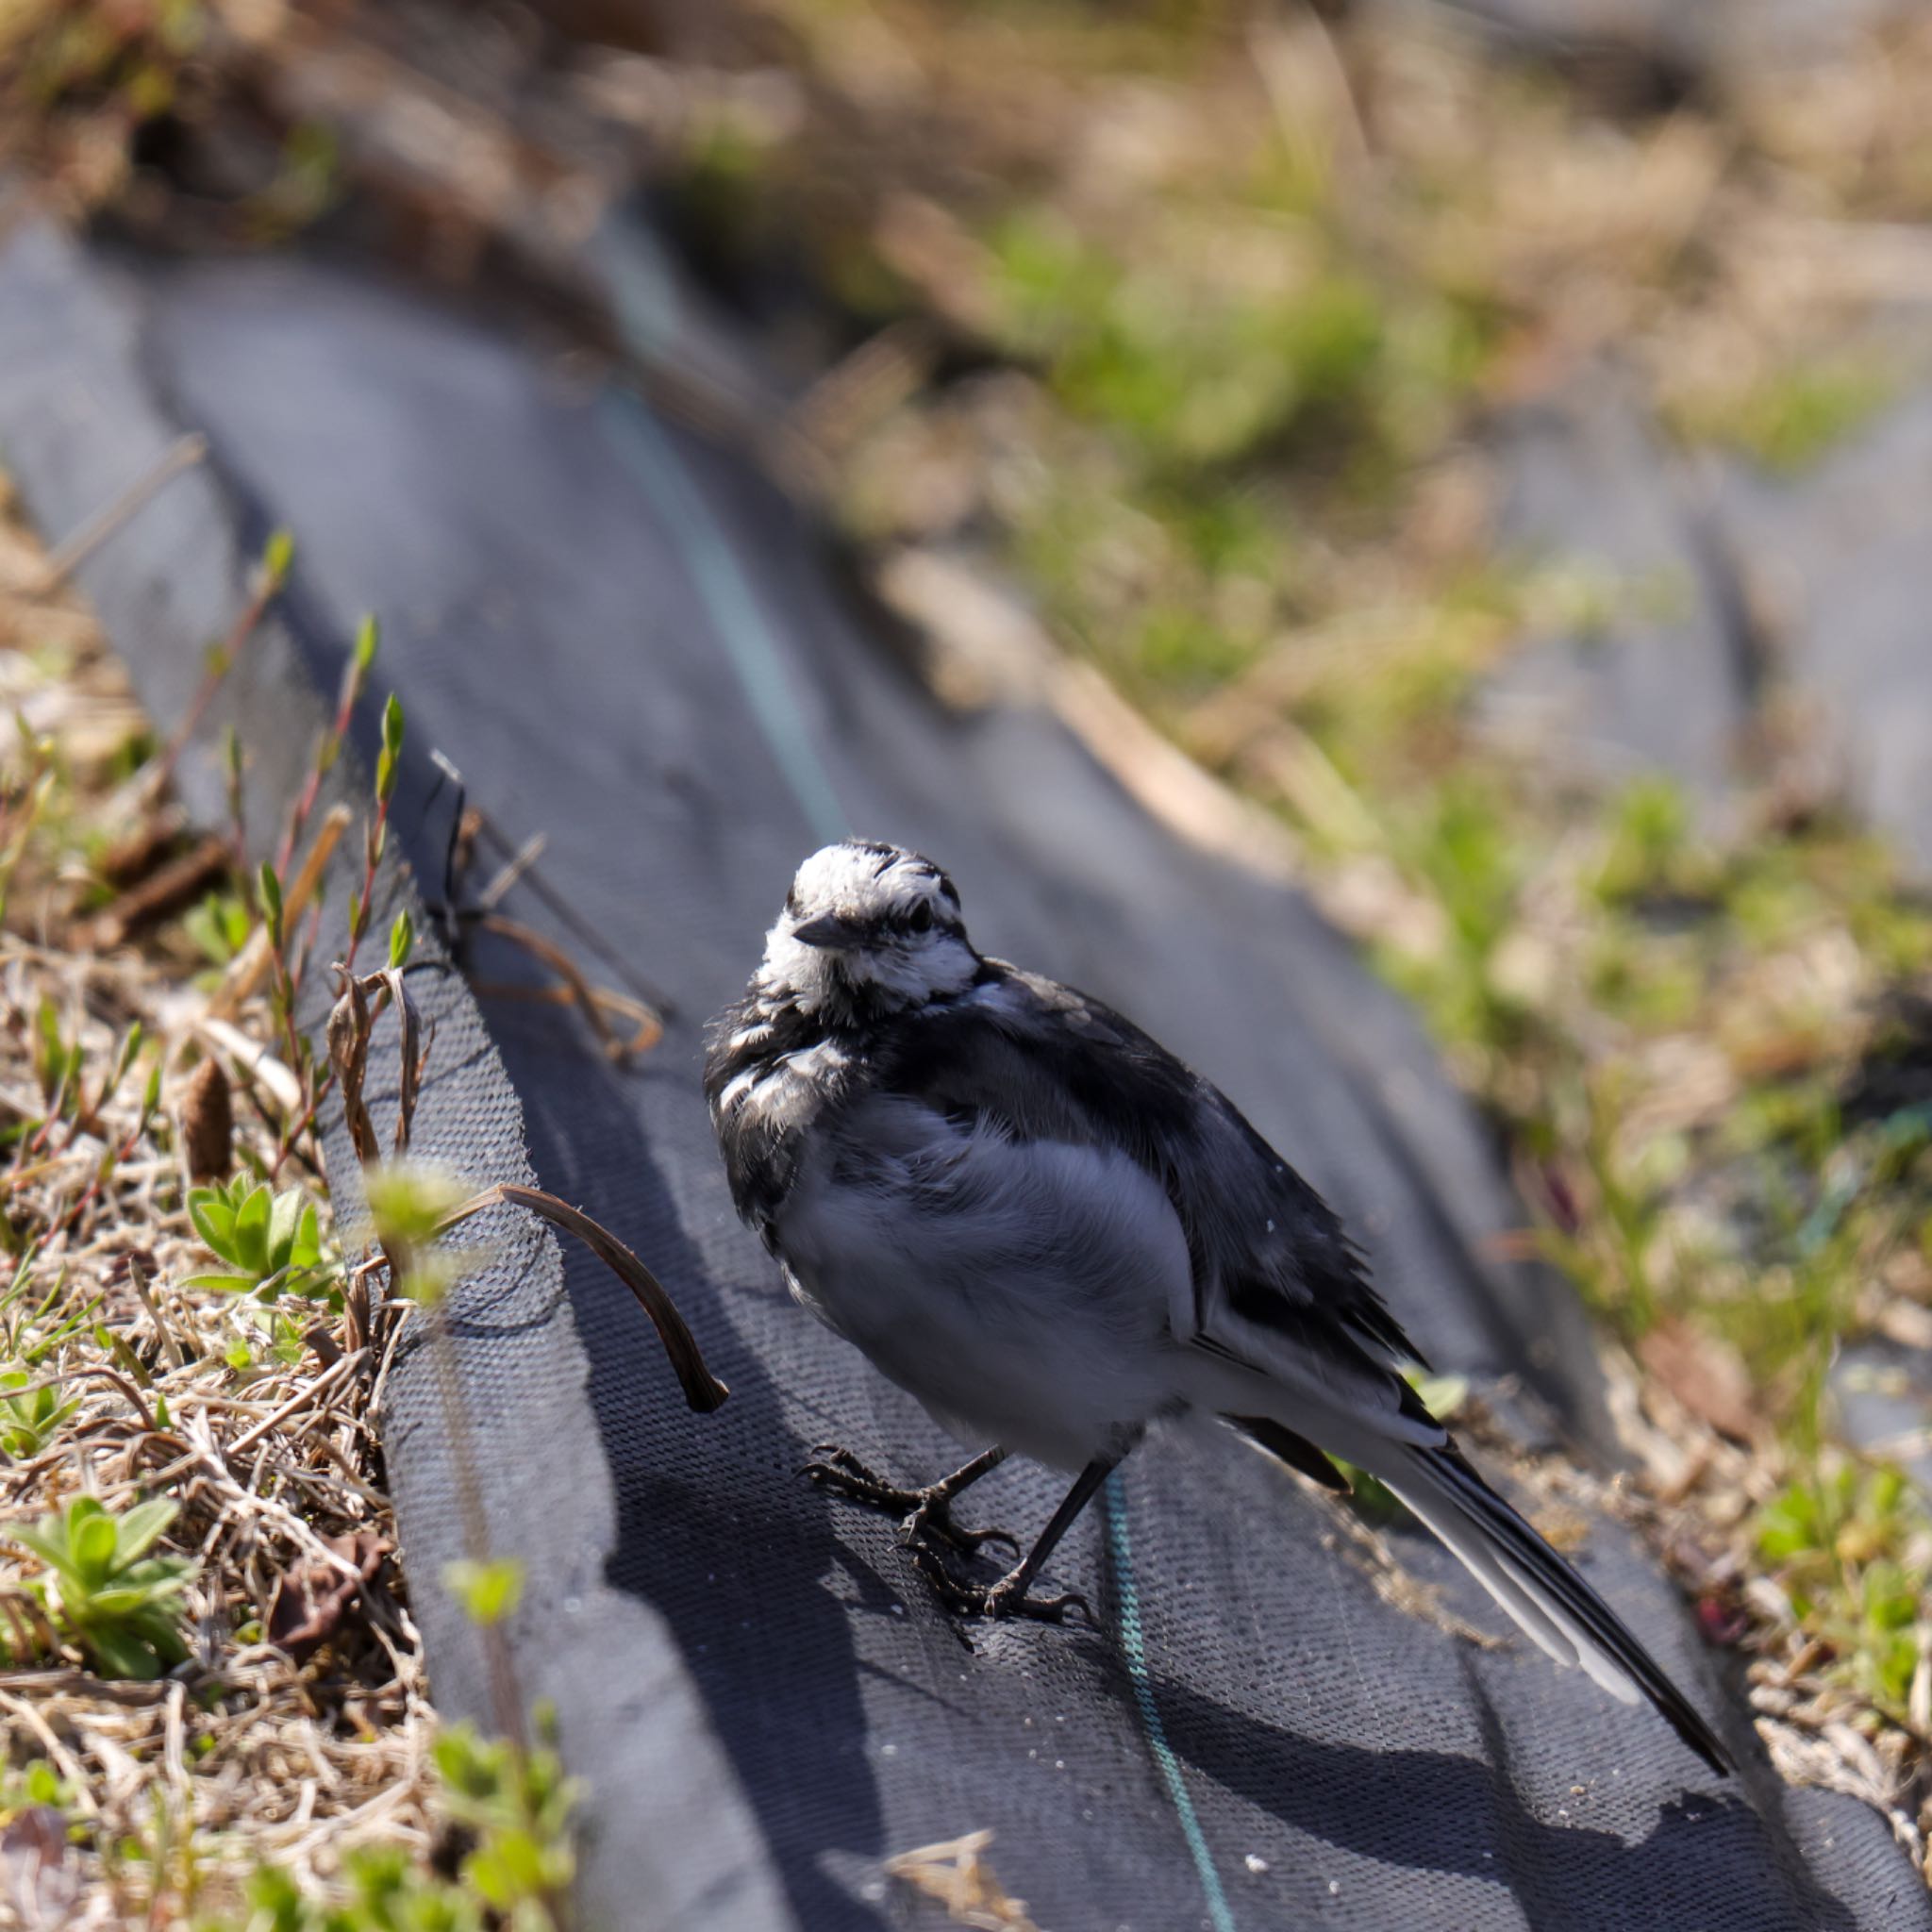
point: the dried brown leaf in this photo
(313, 1599)
(1706, 1376)
(954, 1873)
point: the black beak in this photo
(828, 929)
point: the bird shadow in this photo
(1438, 1812)
(726, 1555)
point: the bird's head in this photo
(868, 924)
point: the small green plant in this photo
(35, 789)
(122, 1605)
(517, 1805)
(1650, 828)
(509, 1813)
(269, 1241)
(1794, 415)
(385, 1894)
(1850, 1543)
(219, 926)
(36, 1783)
(375, 834)
(269, 1336)
(488, 1591)
(32, 1332)
(29, 1421)
(408, 1202)
(58, 1060)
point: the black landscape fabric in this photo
(627, 642)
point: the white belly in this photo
(1021, 1291)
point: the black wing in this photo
(1046, 1061)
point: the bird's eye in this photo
(922, 917)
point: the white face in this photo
(873, 921)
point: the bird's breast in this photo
(1023, 1289)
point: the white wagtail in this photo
(1052, 1233)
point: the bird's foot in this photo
(1009, 1597)
(922, 1512)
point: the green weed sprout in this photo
(270, 1241)
(121, 1605)
(518, 1804)
(29, 1421)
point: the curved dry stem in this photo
(703, 1390)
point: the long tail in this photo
(1541, 1592)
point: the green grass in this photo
(1788, 419)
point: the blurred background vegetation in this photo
(1408, 410)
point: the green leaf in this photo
(269, 890)
(388, 760)
(509, 1866)
(470, 1767)
(402, 939)
(137, 1602)
(367, 637)
(251, 1231)
(223, 1284)
(489, 1592)
(50, 1051)
(46, 1539)
(213, 1215)
(278, 556)
(285, 1220)
(307, 1251)
(141, 1527)
(90, 1540)
(120, 1655)
(124, 1059)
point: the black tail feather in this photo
(1296, 1451)
(1453, 1478)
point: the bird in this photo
(1054, 1235)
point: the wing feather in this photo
(1269, 1260)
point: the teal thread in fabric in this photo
(1134, 1647)
(733, 607)
(649, 314)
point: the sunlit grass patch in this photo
(1788, 418)
(1851, 1546)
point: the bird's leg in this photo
(923, 1512)
(1007, 1597)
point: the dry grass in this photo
(243, 1755)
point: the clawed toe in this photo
(970, 1541)
(1007, 1597)
(839, 1469)
(928, 1531)
(923, 1512)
